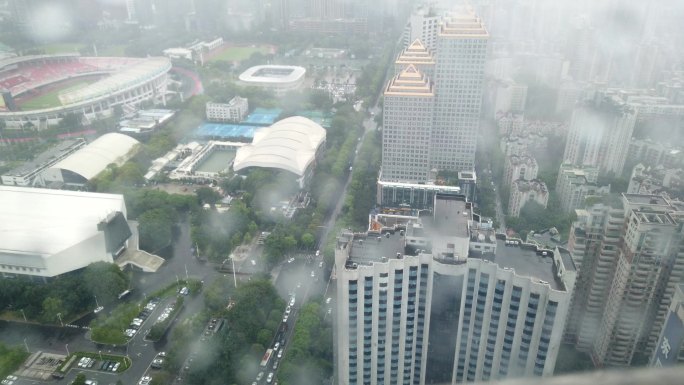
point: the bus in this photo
(266, 358)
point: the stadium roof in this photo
(45, 222)
(96, 156)
(289, 144)
(131, 75)
(273, 74)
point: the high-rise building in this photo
(417, 55)
(670, 347)
(577, 183)
(599, 134)
(407, 125)
(446, 300)
(459, 82)
(519, 167)
(630, 259)
(423, 25)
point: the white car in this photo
(318, 253)
(260, 376)
(313, 273)
(269, 379)
(285, 318)
(145, 380)
(291, 260)
(292, 301)
(327, 300)
(288, 310)
(280, 353)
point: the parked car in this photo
(260, 376)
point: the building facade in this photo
(421, 304)
(631, 263)
(407, 127)
(575, 184)
(520, 167)
(459, 82)
(599, 134)
(670, 347)
(523, 191)
(233, 111)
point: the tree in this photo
(51, 307)
(79, 380)
(208, 195)
(105, 280)
(156, 229)
(308, 241)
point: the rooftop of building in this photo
(641, 199)
(416, 53)
(522, 159)
(46, 157)
(455, 222)
(410, 82)
(463, 23)
(528, 185)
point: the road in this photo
(500, 216)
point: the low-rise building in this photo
(233, 111)
(523, 191)
(656, 181)
(26, 174)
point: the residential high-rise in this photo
(599, 134)
(519, 167)
(631, 258)
(523, 191)
(423, 25)
(459, 82)
(575, 184)
(407, 125)
(670, 347)
(446, 300)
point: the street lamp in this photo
(23, 314)
(96, 304)
(232, 260)
(66, 346)
(59, 315)
(100, 352)
(26, 345)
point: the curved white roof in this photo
(97, 155)
(278, 74)
(289, 144)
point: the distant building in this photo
(670, 346)
(575, 184)
(657, 181)
(145, 121)
(277, 78)
(411, 195)
(509, 97)
(26, 174)
(233, 111)
(55, 231)
(523, 191)
(599, 134)
(519, 167)
(528, 143)
(424, 24)
(443, 299)
(653, 154)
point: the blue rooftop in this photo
(262, 116)
(225, 131)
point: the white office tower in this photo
(407, 125)
(459, 76)
(630, 254)
(599, 134)
(446, 300)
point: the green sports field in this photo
(238, 53)
(51, 98)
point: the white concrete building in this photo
(233, 111)
(51, 232)
(523, 191)
(424, 24)
(446, 301)
(519, 167)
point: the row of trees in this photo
(309, 358)
(11, 357)
(69, 294)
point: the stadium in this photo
(39, 90)
(277, 78)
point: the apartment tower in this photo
(446, 300)
(630, 255)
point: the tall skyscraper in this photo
(630, 254)
(459, 83)
(599, 134)
(407, 125)
(439, 128)
(445, 300)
